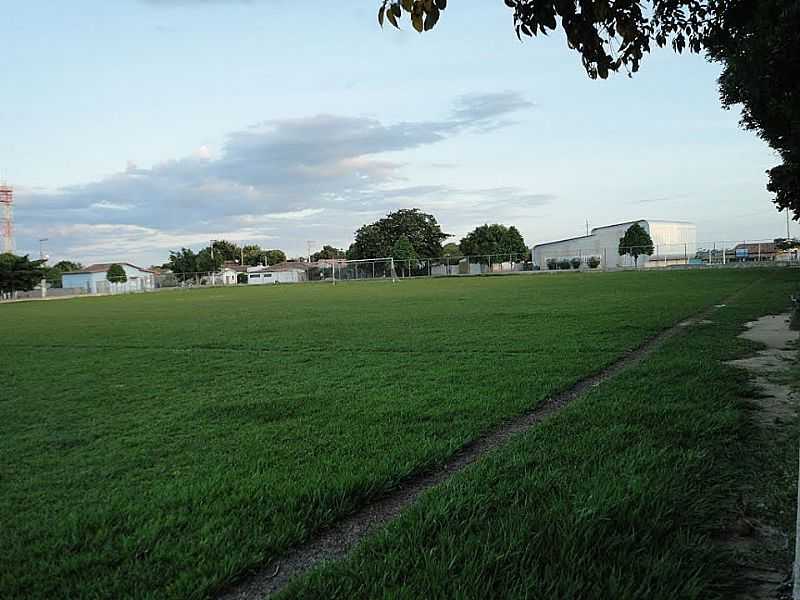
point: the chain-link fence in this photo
(546, 257)
(566, 256)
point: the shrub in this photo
(564, 264)
(552, 263)
(576, 263)
(593, 262)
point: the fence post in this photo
(759, 251)
(44, 288)
(429, 267)
(686, 253)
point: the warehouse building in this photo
(94, 280)
(674, 242)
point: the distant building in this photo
(674, 242)
(230, 272)
(93, 279)
(285, 272)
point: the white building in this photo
(674, 242)
(286, 272)
(93, 279)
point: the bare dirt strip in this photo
(336, 541)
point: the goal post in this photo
(338, 270)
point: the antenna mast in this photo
(7, 222)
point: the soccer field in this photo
(158, 446)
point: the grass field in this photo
(157, 446)
(621, 495)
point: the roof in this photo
(103, 268)
(290, 265)
(234, 266)
(763, 247)
(584, 237)
(580, 237)
(639, 221)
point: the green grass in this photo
(621, 495)
(157, 446)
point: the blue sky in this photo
(138, 126)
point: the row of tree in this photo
(405, 234)
(212, 257)
(409, 233)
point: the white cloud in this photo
(270, 181)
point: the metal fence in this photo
(556, 257)
(542, 258)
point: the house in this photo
(285, 272)
(674, 242)
(229, 274)
(94, 279)
(747, 252)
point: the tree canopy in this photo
(609, 36)
(377, 240)
(493, 239)
(759, 47)
(328, 252)
(275, 256)
(184, 261)
(755, 41)
(636, 242)
(116, 274)
(451, 249)
(19, 273)
(55, 273)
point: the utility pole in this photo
(788, 237)
(41, 248)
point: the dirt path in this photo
(335, 542)
(756, 542)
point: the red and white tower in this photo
(7, 222)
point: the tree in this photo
(635, 243)
(377, 240)
(208, 261)
(493, 239)
(65, 266)
(275, 256)
(55, 273)
(328, 252)
(184, 261)
(760, 49)
(608, 36)
(252, 254)
(227, 250)
(451, 249)
(403, 253)
(116, 274)
(19, 273)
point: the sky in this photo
(136, 127)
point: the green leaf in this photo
(431, 19)
(416, 21)
(390, 14)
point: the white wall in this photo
(673, 241)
